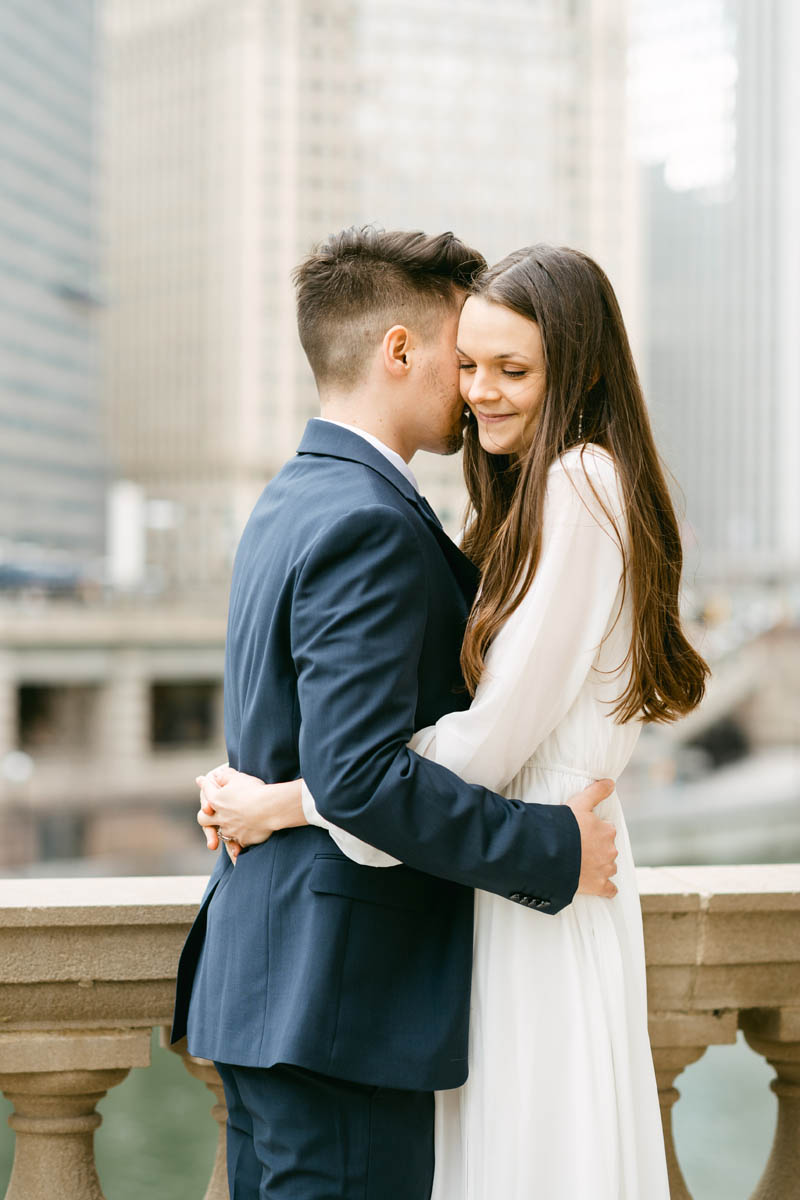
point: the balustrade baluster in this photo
(54, 1080)
(204, 1070)
(775, 1033)
(676, 1041)
(669, 1061)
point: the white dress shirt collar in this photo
(394, 458)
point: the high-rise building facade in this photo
(52, 474)
(722, 270)
(224, 158)
(504, 121)
(507, 123)
(241, 132)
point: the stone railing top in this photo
(143, 900)
(100, 952)
(173, 899)
(741, 888)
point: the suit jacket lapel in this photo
(324, 438)
(462, 567)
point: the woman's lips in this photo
(493, 418)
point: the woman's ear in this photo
(396, 347)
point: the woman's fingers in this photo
(210, 831)
(229, 808)
(209, 791)
(205, 803)
(207, 817)
(224, 774)
(209, 823)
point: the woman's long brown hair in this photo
(593, 395)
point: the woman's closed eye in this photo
(509, 372)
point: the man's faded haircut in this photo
(360, 282)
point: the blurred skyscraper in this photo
(717, 100)
(224, 156)
(241, 131)
(52, 475)
(507, 123)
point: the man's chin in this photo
(447, 445)
(453, 443)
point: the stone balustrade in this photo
(87, 969)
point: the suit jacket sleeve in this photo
(358, 622)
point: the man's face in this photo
(440, 406)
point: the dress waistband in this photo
(586, 774)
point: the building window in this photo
(183, 714)
(55, 717)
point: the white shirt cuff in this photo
(360, 852)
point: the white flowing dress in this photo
(561, 1100)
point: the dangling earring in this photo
(580, 424)
(467, 412)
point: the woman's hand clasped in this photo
(243, 810)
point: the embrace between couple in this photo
(413, 968)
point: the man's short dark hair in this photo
(358, 283)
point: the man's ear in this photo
(396, 347)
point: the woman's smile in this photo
(493, 418)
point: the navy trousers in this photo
(297, 1135)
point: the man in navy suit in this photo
(334, 997)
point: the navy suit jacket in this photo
(347, 610)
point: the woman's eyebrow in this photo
(497, 357)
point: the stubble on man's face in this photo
(454, 442)
(443, 394)
(443, 409)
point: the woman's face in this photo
(501, 362)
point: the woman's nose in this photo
(481, 388)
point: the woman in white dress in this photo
(574, 641)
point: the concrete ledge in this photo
(146, 900)
(103, 952)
